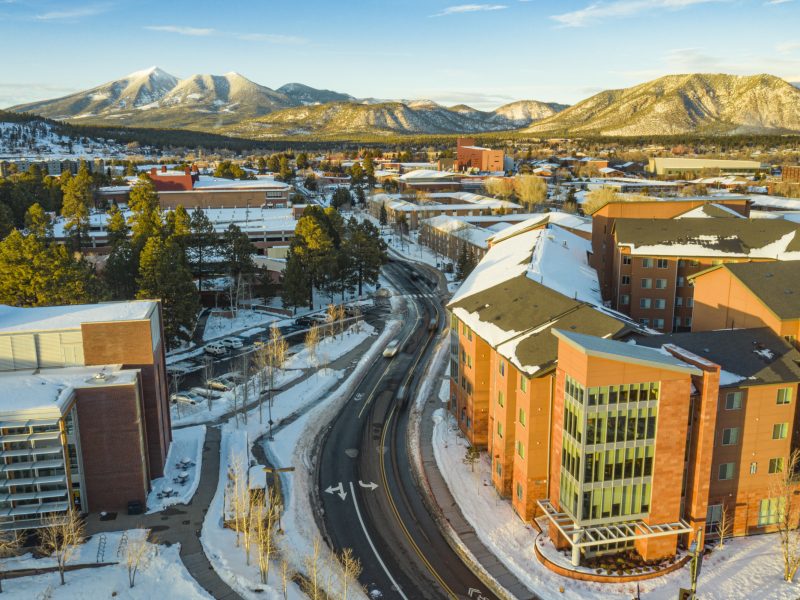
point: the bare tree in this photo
(725, 525)
(311, 584)
(311, 344)
(261, 359)
(331, 315)
(60, 535)
(265, 535)
(285, 577)
(238, 496)
(349, 570)
(786, 508)
(357, 323)
(531, 190)
(277, 351)
(10, 543)
(137, 552)
(208, 373)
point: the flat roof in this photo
(44, 318)
(614, 350)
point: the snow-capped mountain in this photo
(302, 94)
(21, 135)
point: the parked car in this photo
(303, 322)
(232, 342)
(220, 384)
(215, 349)
(185, 398)
(391, 348)
(205, 392)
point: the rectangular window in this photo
(714, 513)
(498, 467)
(687, 321)
(725, 471)
(519, 491)
(733, 400)
(500, 398)
(784, 395)
(645, 322)
(779, 431)
(681, 281)
(523, 383)
(776, 465)
(624, 299)
(770, 510)
(522, 418)
(644, 302)
(661, 304)
(690, 302)
(626, 280)
(502, 367)
(661, 284)
(520, 449)
(647, 284)
(753, 468)
(626, 259)
(658, 323)
(500, 429)
(730, 436)
(647, 263)
(678, 301)
(662, 263)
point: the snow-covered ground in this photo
(746, 568)
(186, 447)
(219, 326)
(332, 347)
(163, 574)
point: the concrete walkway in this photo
(450, 511)
(182, 523)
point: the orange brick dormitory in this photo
(618, 437)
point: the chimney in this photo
(163, 168)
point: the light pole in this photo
(273, 471)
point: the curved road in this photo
(370, 501)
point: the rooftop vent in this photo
(100, 378)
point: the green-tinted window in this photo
(726, 471)
(500, 429)
(730, 436)
(500, 399)
(776, 465)
(520, 449)
(523, 382)
(770, 510)
(733, 400)
(779, 431)
(784, 395)
(522, 417)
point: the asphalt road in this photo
(370, 502)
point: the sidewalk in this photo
(182, 523)
(451, 513)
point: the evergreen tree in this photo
(311, 254)
(366, 251)
(145, 220)
(177, 225)
(116, 227)
(202, 243)
(274, 163)
(6, 220)
(369, 169)
(238, 250)
(261, 164)
(384, 216)
(38, 223)
(302, 160)
(164, 275)
(296, 280)
(75, 208)
(465, 262)
(119, 272)
(285, 170)
(356, 173)
(341, 197)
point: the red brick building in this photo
(470, 156)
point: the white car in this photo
(232, 342)
(185, 398)
(215, 349)
(220, 384)
(391, 349)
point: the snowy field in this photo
(186, 447)
(218, 326)
(332, 347)
(162, 576)
(746, 568)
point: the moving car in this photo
(215, 349)
(391, 348)
(232, 342)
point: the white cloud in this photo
(599, 11)
(182, 30)
(272, 38)
(787, 47)
(469, 8)
(69, 14)
(776, 2)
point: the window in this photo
(687, 321)
(624, 299)
(500, 429)
(753, 468)
(519, 491)
(658, 323)
(661, 304)
(770, 510)
(730, 436)
(690, 302)
(502, 367)
(725, 471)
(784, 395)
(522, 418)
(500, 398)
(647, 263)
(779, 431)
(661, 284)
(498, 467)
(678, 301)
(523, 383)
(733, 400)
(681, 281)
(662, 263)
(644, 302)
(520, 449)
(626, 280)
(647, 284)
(626, 259)
(644, 322)
(714, 513)
(776, 465)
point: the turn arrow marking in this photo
(339, 489)
(371, 485)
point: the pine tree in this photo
(367, 252)
(285, 170)
(145, 220)
(177, 225)
(302, 161)
(384, 216)
(38, 223)
(75, 207)
(119, 272)
(116, 227)
(202, 242)
(238, 250)
(274, 163)
(164, 275)
(6, 220)
(297, 290)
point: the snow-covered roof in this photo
(47, 392)
(562, 219)
(774, 202)
(711, 210)
(427, 174)
(45, 318)
(207, 182)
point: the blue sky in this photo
(480, 53)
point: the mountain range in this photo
(231, 104)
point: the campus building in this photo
(85, 417)
(469, 156)
(681, 167)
